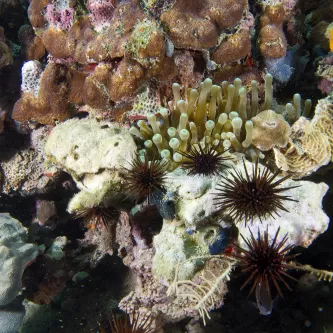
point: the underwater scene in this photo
(166, 166)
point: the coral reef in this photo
(202, 23)
(114, 48)
(323, 118)
(149, 159)
(16, 254)
(91, 151)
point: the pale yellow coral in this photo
(270, 130)
(307, 150)
(323, 119)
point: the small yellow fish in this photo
(331, 40)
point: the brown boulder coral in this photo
(54, 100)
(197, 24)
(272, 41)
(235, 47)
(111, 43)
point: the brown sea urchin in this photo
(247, 197)
(264, 263)
(205, 161)
(99, 216)
(131, 324)
(144, 176)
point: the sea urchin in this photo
(265, 263)
(131, 324)
(144, 177)
(247, 197)
(99, 216)
(205, 161)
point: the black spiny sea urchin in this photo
(205, 161)
(99, 216)
(247, 197)
(265, 262)
(144, 177)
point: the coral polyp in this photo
(133, 324)
(203, 161)
(247, 197)
(264, 263)
(144, 177)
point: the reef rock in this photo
(304, 221)
(90, 151)
(93, 153)
(15, 255)
(11, 318)
(24, 171)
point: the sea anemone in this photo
(131, 324)
(205, 161)
(144, 177)
(264, 263)
(252, 196)
(99, 216)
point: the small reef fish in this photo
(331, 40)
(264, 300)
